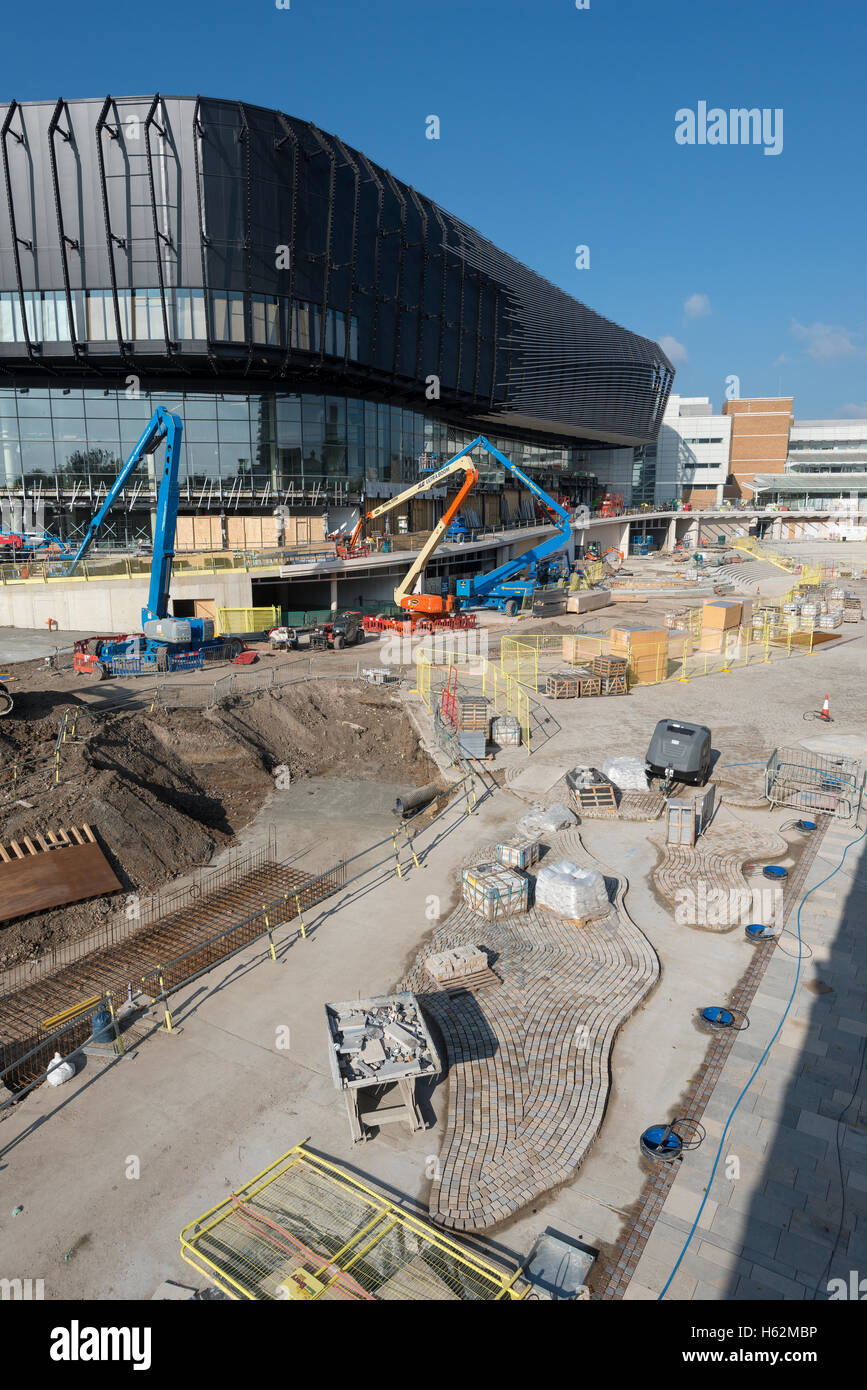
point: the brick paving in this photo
(656, 1234)
(716, 862)
(529, 1057)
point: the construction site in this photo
(448, 951)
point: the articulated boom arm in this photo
(431, 603)
(162, 425)
(483, 584)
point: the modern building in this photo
(688, 462)
(319, 325)
(759, 441)
(826, 468)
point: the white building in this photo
(826, 468)
(690, 456)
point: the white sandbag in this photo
(545, 820)
(59, 1071)
(570, 891)
(626, 773)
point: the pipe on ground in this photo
(416, 799)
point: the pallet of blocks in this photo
(459, 969)
(506, 730)
(612, 673)
(563, 685)
(518, 854)
(494, 891)
(472, 712)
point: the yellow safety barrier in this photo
(305, 1229)
(246, 619)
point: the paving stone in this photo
(782, 1193)
(787, 1287)
(811, 1123)
(803, 1253)
(746, 1228)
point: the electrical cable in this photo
(754, 1073)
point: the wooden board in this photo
(40, 881)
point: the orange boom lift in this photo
(431, 605)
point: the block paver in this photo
(529, 1057)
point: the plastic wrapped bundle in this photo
(571, 892)
(545, 820)
(626, 773)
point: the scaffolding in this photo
(306, 1229)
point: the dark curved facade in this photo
(208, 245)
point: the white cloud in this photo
(674, 351)
(697, 306)
(855, 412)
(826, 342)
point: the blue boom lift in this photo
(501, 588)
(166, 643)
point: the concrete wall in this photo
(110, 605)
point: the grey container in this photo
(685, 748)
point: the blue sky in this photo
(557, 130)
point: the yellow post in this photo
(396, 855)
(411, 848)
(118, 1040)
(270, 934)
(167, 1024)
(726, 668)
(300, 918)
(683, 677)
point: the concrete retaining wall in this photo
(110, 605)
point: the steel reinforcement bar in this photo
(157, 959)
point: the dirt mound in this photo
(165, 790)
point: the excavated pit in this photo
(165, 791)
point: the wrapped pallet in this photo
(494, 891)
(545, 820)
(570, 891)
(626, 773)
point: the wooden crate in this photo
(609, 666)
(562, 685)
(600, 799)
(590, 685)
(614, 685)
(472, 712)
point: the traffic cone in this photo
(825, 711)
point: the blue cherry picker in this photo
(501, 588)
(165, 643)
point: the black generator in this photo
(680, 751)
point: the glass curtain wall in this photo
(57, 440)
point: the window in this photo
(305, 326)
(266, 319)
(228, 317)
(190, 314)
